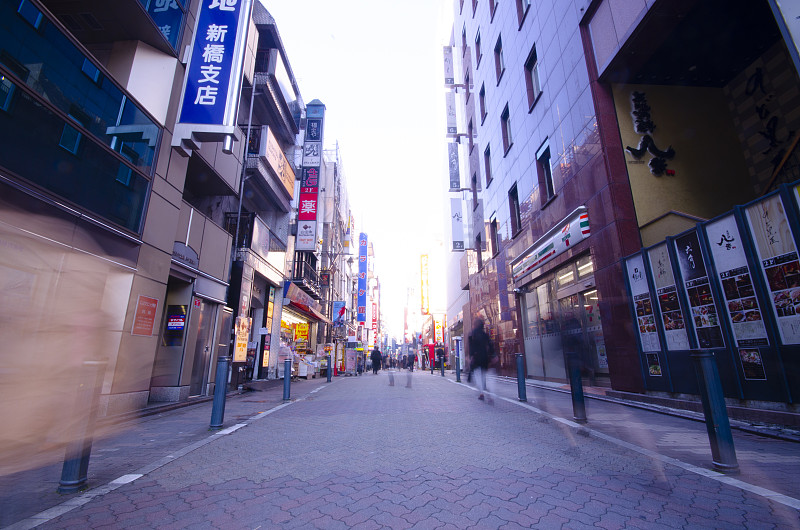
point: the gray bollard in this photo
(576, 388)
(220, 392)
(723, 453)
(287, 378)
(441, 361)
(79, 448)
(458, 368)
(522, 391)
(330, 369)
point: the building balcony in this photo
(304, 274)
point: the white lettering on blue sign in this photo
(216, 33)
(223, 5)
(164, 5)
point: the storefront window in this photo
(585, 267)
(565, 276)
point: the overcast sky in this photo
(377, 67)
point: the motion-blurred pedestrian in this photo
(482, 356)
(376, 360)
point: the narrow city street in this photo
(361, 453)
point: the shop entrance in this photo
(203, 347)
(580, 326)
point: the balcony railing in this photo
(304, 274)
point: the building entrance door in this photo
(580, 326)
(203, 347)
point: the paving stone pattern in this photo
(362, 454)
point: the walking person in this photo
(376, 360)
(481, 357)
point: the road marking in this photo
(88, 495)
(708, 473)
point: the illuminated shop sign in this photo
(362, 279)
(569, 232)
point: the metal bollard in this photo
(76, 458)
(458, 368)
(220, 392)
(441, 361)
(287, 378)
(522, 391)
(576, 389)
(330, 369)
(723, 453)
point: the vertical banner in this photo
(424, 292)
(375, 337)
(455, 175)
(438, 329)
(307, 201)
(643, 305)
(667, 295)
(450, 107)
(457, 224)
(449, 75)
(338, 313)
(778, 258)
(210, 96)
(698, 290)
(362, 279)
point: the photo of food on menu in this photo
(671, 310)
(784, 282)
(740, 295)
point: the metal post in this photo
(458, 368)
(329, 371)
(79, 448)
(522, 391)
(576, 388)
(718, 426)
(441, 361)
(220, 391)
(287, 378)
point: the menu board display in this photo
(779, 263)
(741, 305)
(698, 291)
(667, 293)
(653, 364)
(645, 317)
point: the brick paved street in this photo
(360, 453)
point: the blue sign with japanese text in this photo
(362, 278)
(208, 80)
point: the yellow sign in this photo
(425, 309)
(301, 331)
(242, 334)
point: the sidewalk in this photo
(358, 452)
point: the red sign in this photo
(144, 320)
(307, 207)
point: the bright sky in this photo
(377, 67)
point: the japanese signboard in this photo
(309, 182)
(450, 107)
(741, 305)
(667, 295)
(643, 305)
(698, 291)
(457, 224)
(144, 319)
(271, 151)
(455, 176)
(779, 263)
(361, 313)
(213, 75)
(449, 76)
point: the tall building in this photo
(587, 134)
(122, 196)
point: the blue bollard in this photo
(287, 378)
(723, 453)
(458, 368)
(330, 369)
(220, 392)
(522, 391)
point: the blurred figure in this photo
(482, 355)
(376, 360)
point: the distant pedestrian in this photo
(360, 365)
(440, 357)
(482, 356)
(376, 360)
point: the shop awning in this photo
(300, 300)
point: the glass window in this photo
(167, 15)
(6, 93)
(532, 77)
(70, 81)
(29, 12)
(513, 204)
(70, 139)
(585, 267)
(565, 276)
(487, 164)
(505, 128)
(545, 171)
(499, 64)
(478, 54)
(482, 102)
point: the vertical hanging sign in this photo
(457, 224)
(425, 305)
(309, 184)
(210, 96)
(362, 279)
